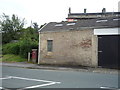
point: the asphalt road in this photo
(24, 78)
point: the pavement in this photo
(50, 67)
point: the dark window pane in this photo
(49, 45)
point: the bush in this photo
(27, 46)
(20, 48)
(11, 48)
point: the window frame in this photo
(49, 45)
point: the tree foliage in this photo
(28, 41)
(10, 28)
(29, 34)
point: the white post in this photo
(39, 50)
(28, 56)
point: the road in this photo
(24, 78)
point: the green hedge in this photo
(11, 48)
(27, 46)
(20, 48)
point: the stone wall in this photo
(70, 47)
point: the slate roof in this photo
(82, 24)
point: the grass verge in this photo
(12, 58)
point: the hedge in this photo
(20, 48)
(11, 48)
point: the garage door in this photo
(108, 50)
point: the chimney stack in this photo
(104, 10)
(85, 10)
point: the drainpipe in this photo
(39, 45)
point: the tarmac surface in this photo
(63, 68)
(24, 75)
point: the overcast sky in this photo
(44, 11)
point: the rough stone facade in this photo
(69, 48)
(76, 42)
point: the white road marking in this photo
(109, 88)
(1, 87)
(9, 77)
(35, 86)
(32, 79)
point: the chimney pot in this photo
(69, 10)
(85, 10)
(104, 10)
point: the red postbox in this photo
(34, 55)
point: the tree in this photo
(36, 26)
(29, 34)
(10, 28)
(28, 41)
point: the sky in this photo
(45, 11)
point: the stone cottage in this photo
(86, 42)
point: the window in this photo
(101, 21)
(70, 24)
(49, 45)
(98, 15)
(57, 25)
(116, 19)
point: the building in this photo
(86, 42)
(85, 15)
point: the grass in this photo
(12, 58)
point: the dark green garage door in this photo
(108, 55)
